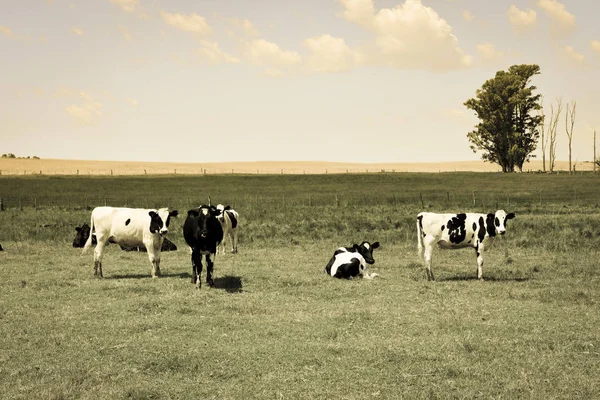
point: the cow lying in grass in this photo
(457, 231)
(349, 262)
(83, 232)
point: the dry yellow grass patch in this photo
(85, 167)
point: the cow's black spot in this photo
(233, 219)
(156, 222)
(456, 228)
(481, 232)
(489, 222)
(348, 270)
(443, 227)
(474, 226)
(477, 249)
(497, 221)
(128, 221)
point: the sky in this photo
(367, 81)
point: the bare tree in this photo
(552, 131)
(570, 118)
(543, 133)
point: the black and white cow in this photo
(229, 221)
(83, 232)
(349, 262)
(203, 232)
(129, 227)
(456, 231)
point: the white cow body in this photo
(455, 231)
(229, 219)
(129, 227)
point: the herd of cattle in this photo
(207, 228)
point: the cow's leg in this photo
(428, 253)
(98, 254)
(209, 269)
(479, 252)
(154, 257)
(234, 242)
(196, 268)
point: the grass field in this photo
(275, 326)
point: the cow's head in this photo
(222, 209)
(206, 215)
(366, 250)
(160, 219)
(500, 218)
(83, 233)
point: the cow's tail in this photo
(88, 242)
(420, 233)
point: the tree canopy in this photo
(507, 133)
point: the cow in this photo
(348, 262)
(129, 227)
(83, 232)
(229, 221)
(456, 231)
(203, 232)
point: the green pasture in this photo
(277, 327)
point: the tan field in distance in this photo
(84, 167)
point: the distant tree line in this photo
(11, 155)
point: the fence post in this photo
(35, 203)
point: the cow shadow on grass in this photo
(229, 283)
(148, 276)
(460, 278)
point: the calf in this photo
(456, 231)
(83, 232)
(129, 227)
(348, 262)
(203, 233)
(229, 222)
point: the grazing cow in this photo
(456, 231)
(83, 232)
(348, 262)
(129, 227)
(203, 233)
(229, 221)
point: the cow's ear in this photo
(174, 213)
(77, 228)
(227, 208)
(152, 214)
(375, 245)
(355, 246)
(193, 213)
(510, 216)
(216, 212)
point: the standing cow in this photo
(456, 231)
(229, 222)
(129, 227)
(349, 262)
(84, 231)
(203, 232)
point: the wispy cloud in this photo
(87, 112)
(6, 31)
(263, 52)
(595, 45)
(574, 56)
(562, 22)
(190, 23)
(330, 54)
(133, 102)
(211, 52)
(467, 15)
(488, 53)
(521, 20)
(77, 31)
(125, 32)
(126, 5)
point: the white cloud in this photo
(488, 53)
(562, 22)
(133, 102)
(211, 52)
(595, 45)
(190, 23)
(77, 31)
(410, 35)
(87, 112)
(245, 26)
(330, 54)
(126, 5)
(467, 15)
(273, 72)
(125, 32)
(574, 56)
(6, 31)
(521, 20)
(262, 52)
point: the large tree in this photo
(507, 133)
